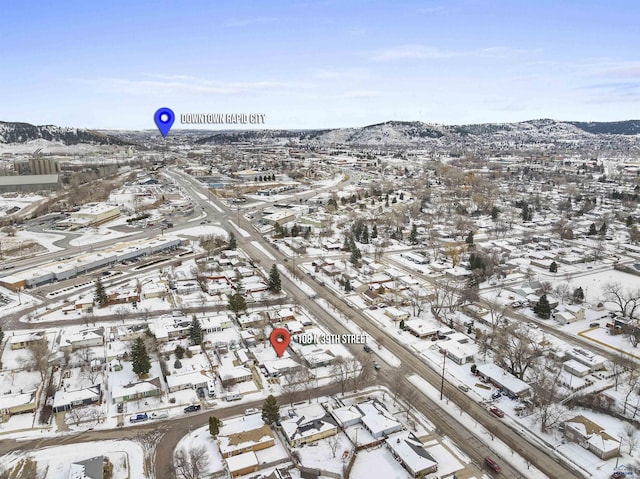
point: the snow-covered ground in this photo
(55, 462)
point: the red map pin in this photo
(280, 339)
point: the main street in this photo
(411, 364)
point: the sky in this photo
(319, 64)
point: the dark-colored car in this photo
(120, 408)
(367, 349)
(493, 465)
(192, 408)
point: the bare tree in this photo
(190, 464)
(627, 301)
(341, 373)
(546, 394)
(515, 350)
(633, 379)
(334, 443)
(40, 354)
(563, 292)
(631, 434)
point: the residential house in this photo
(410, 452)
(591, 436)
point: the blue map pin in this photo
(164, 118)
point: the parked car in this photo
(493, 465)
(138, 417)
(498, 412)
(251, 410)
(463, 387)
(376, 366)
(367, 349)
(192, 408)
(159, 415)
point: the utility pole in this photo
(444, 361)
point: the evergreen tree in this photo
(195, 332)
(592, 229)
(346, 245)
(295, 230)
(232, 241)
(603, 229)
(364, 237)
(413, 236)
(469, 239)
(140, 360)
(179, 352)
(177, 364)
(629, 221)
(355, 256)
(347, 286)
(374, 231)
(526, 212)
(401, 325)
(277, 229)
(542, 307)
(1, 334)
(307, 233)
(275, 284)
(100, 295)
(553, 267)
(270, 410)
(402, 195)
(394, 200)
(578, 295)
(494, 213)
(214, 426)
(237, 303)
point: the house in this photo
(22, 341)
(593, 361)
(233, 375)
(371, 297)
(493, 373)
(88, 469)
(564, 317)
(242, 464)
(420, 328)
(410, 452)
(396, 314)
(311, 424)
(376, 421)
(66, 400)
(591, 436)
(19, 403)
(190, 380)
(245, 441)
(576, 368)
(85, 338)
(459, 353)
(134, 391)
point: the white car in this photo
(159, 415)
(251, 410)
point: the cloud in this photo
(613, 92)
(157, 83)
(335, 74)
(245, 22)
(425, 52)
(361, 94)
(625, 70)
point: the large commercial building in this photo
(62, 270)
(29, 183)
